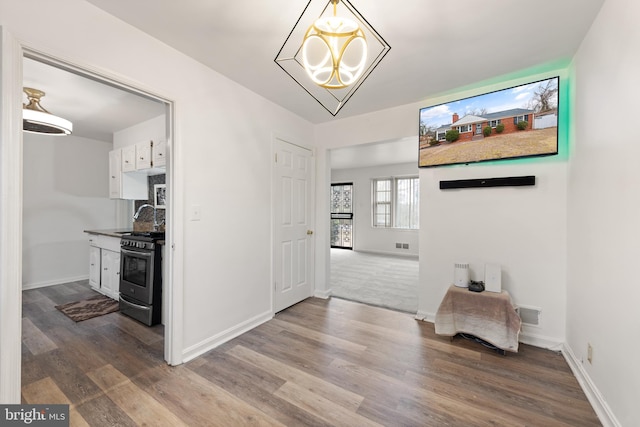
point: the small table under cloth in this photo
(489, 316)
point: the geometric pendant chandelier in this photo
(35, 119)
(330, 51)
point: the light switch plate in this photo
(196, 213)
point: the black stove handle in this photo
(145, 253)
(140, 307)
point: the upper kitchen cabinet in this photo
(151, 156)
(142, 152)
(143, 155)
(115, 174)
(159, 153)
(125, 185)
(146, 156)
(129, 158)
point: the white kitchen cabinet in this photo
(94, 267)
(125, 185)
(143, 155)
(104, 264)
(129, 158)
(110, 274)
(115, 174)
(159, 153)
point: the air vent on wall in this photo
(529, 315)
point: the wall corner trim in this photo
(323, 294)
(425, 316)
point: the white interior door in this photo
(293, 219)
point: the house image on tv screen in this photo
(492, 126)
(471, 127)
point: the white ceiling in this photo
(97, 110)
(436, 46)
(403, 150)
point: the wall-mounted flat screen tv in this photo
(520, 121)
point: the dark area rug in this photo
(89, 308)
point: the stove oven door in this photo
(136, 275)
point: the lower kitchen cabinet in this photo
(95, 267)
(110, 275)
(104, 264)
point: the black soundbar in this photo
(512, 181)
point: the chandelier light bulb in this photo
(334, 51)
(330, 53)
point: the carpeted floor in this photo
(384, 281)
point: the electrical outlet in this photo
(398, 245)
(589, 353)
(405, 246)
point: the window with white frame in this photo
(494, 123)
(382, 202)
(518, 119)
(396, 202)
(464, 128)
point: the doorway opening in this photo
(67, 182)
(374, 196)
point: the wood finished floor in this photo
(318, 363)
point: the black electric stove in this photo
(141, 276)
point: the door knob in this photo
(309, 232)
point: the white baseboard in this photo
(389, 253)
(427, 317)
(606, 416)
(26, 286)
(322, 294)
(526, 337)
(224, 336)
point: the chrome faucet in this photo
(155, 216)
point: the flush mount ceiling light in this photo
(332, 56)
(35, 119)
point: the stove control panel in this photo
(137, 244)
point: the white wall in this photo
(152, 129)
(604, 209)
(66, 191)
(366, 237)
(223, 144)
(522, 229)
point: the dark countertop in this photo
(112, 232)
(117, 232)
